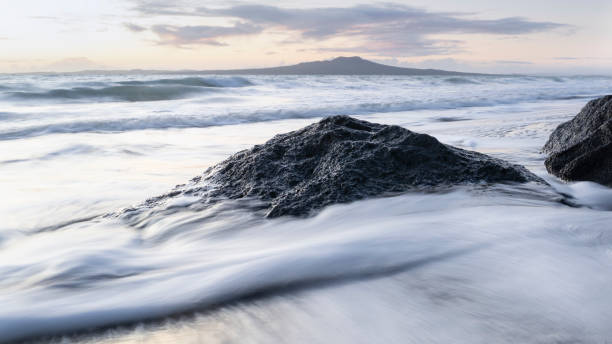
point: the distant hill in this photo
(338, 66)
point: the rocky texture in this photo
(342, 159)
(581, 149)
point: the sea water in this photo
(476, 264)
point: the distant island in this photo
(339, 66)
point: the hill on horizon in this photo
(338, 66)
(354, 65)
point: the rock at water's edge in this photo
(341, 159)
(581, 149)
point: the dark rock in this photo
(342, 159)
(581, 149)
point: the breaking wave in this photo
(194, 81)
(172, 120)
(137, 90)
(113, 93)
(461, 81)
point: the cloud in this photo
(162, 7)
(441, 63)
(513, 62)
(374, 20)
(184, 35)
(404, 46)
(581, 58)
(383, 28)
(134, 27)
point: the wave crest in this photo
(113, 93)
(460, 81)
(169, 121)
(194, 81)
(136, 91)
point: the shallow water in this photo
(474, 264)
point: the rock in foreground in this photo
(342, 159)
(581, 149)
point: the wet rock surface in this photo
(581, 149)
(341, 159)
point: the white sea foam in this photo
(99, 273)
(132, 91)
(502, 264)
(71, 104)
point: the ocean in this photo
(475, 264)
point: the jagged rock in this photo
(342, 159)
(581, 149)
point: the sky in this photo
(518, 36)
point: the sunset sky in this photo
(528, 36)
